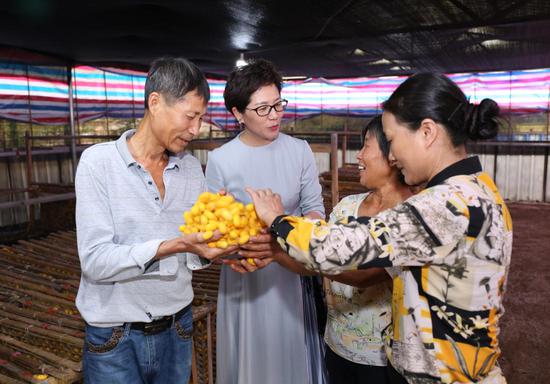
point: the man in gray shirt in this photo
(135, 291)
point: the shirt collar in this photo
(122, 147)
(466, 166)
(174, 160)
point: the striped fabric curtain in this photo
(34, 93)
(39, 94)
(108, 93)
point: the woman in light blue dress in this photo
(266, 325)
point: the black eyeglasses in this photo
(264, 110)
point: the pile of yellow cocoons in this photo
(235, 221)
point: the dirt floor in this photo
(525, 326)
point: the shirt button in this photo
(156, 198)
(150, 182)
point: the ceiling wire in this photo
(329, 20)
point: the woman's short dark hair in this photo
(374, 126)
(246, 80)
(435, 96)
(173, 78)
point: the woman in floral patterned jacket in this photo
(359, 302)
(448, 247)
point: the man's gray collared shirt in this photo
(121, 220)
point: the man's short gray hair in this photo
(173, 78)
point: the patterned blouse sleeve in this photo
(422, 230)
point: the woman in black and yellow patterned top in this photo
(448, 248)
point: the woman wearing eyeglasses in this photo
(266, 329)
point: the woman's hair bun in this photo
(481, 120)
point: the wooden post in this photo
(545, 175)
(72, 120)
(209, 347)
(28, 148)
(345, 144)
(28, 145)
(495, 164)
(334, 168)
(194, 370)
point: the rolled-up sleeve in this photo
(101, 258)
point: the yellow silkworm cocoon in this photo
(185, 229)
(227, 198)
(187, 217)
(222, 227)
(236, 221)
(195, 210)
(243, 238)
(211, 226)
(211, 206)
(226, 214)
(205, 197)
(221, 244)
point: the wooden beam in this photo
(467, 11)
(38, 200)
(334, 168)
(48, 356)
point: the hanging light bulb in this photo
(241, 62)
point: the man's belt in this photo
(159, 325)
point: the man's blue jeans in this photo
(127, 356)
